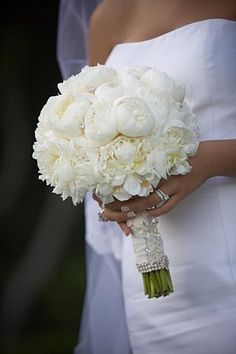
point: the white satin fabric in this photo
(199, 234)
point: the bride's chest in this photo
(191, 54)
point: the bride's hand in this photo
(208, 161)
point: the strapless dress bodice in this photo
(203, 56)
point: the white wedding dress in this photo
(199, 234)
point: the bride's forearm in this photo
(219, 157)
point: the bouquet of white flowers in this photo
(117, 133)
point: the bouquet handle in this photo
(151, 260)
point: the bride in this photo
(194, 42)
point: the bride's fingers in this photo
(153, 199)
(116, 205)
(145, 203)
(118, 216)
(125, 229)
(132, 207)
(138, 204)
(166, 207)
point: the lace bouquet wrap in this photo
(117, 133)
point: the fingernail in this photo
(131, 214)
(125, 208)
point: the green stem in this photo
(145, 285)
(157, 283)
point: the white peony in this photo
(178, 111)
(126, 164)
(64, 114)
(160, 162)
(159, 104)
(129, 83)
(179, 142)
(133, 116)
(88, 80)
(109, 92)
(99, 125)
(65, 166)
(161, 82)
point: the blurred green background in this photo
(42, 237)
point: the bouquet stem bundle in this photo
(150, 258)
(157, 283)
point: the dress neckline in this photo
(169, 33)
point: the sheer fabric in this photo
(73, 20)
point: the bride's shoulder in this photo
(108, 25)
